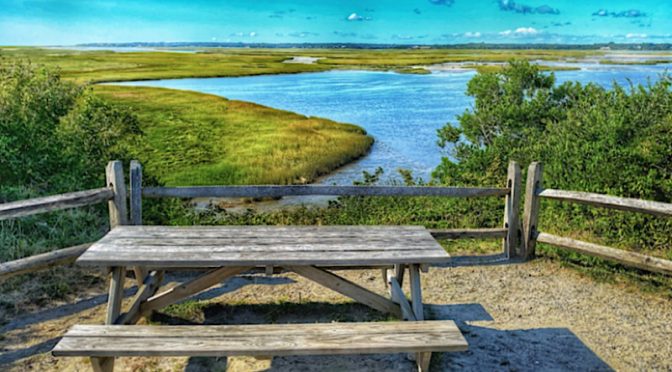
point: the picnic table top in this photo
(218, 246)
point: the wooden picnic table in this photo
(226, 251)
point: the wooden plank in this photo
(117, 205)
(189, 258)
(511, 211)
(238, 330)
(116, 294)
(348, 288)
(189, 288)
(399, 270)
(136, 192)
(468, 233)
(253, 340)
(161, 246)
(608, 201)
(262, 230)
(135, 178)
(623, 257)
(42, 261)
(399, 297)
(102, 364)
(29, 207)
(416, 292)
(277, 243)
(296, 190)
(422, 359)
(149, 287)
(531, 212)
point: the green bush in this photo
(54, 137)
(614, 141)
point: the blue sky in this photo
(68, 22)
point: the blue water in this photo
(402, 112)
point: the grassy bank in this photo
(99, 66)
(199, 139)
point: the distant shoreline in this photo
(483, 46)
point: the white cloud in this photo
(520, 31)
(253, 34)
(636, 36)
(355, 17)
(526, 31)
(472, 34)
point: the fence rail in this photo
(535, 192)
(29, 207)
(279, 191)
(624, 257)
(41, 261)
(608, 201)
(519, 235)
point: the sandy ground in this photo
(531, 316)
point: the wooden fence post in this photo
(531, 214)
(135, 180)
(136, 192)
(117, 205)
(511, 212)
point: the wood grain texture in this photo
(348, 288)
(217, 246)
(623, 257)
(531, 212)
(399, 297)
(114, 174)
(29, 207)
(608, 201)
(116, 294)
(135, 205)
(136, 192)
(254, 340)
(149, 286)
(296, 190)
(42, 261)
(416, 292)
(511, 211)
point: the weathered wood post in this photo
(136, 192)
(114, 173)
(117, 205)
(135, 179)
(531, 213)
(511, 212)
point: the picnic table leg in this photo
(397, 273)
(116, 294)
(422, 359)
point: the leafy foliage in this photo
(55, 135)
(615, 141)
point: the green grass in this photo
(101, 66)
(199, 139)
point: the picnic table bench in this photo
(226, 251)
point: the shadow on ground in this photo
(489, 349)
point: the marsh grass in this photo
(199, 139)
(106, 66)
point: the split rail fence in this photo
(519, 235)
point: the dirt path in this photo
(532, 316)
